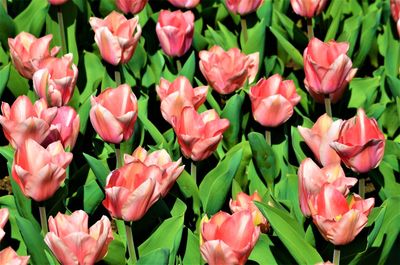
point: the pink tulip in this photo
(39, 172)
(360, 144)
(228, 239)
(113, 113)
(72, 242)
(9, 257)
(184, 3)
(175, 31)
(243, 7)
(312, 179)
(179, 94)
(199, 134)
(24, 120)
(57, 2)
(56, 80)
(319, 138)
(161, 159)
(116, 36)
(308, 8)
(338, 221)
(4, 213)
(273, 100)
(131, 6)
(228, 71)
(395, 9)
(27, 51)
(131, 190)
(327, 68)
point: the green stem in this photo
(5, 5)
(131, 245)
(178, 66)
(336, 256)
(361, 187)
(268, 137)
(118, 156)
(193, 171)
(117, 75)
(328, 107)
(243, 22)
(62, 31)
(43, 219)
(310, 30)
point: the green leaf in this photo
(157, 256)
(189, 67)
(116, 251)
(289, 48)
(229, 37)
(7, 26)
(99, 169)
(192, 252)
(233, 112)
(363, 91)
(296, 144)
(262, 251)
(17, 84)
(33, 17)
(92, 196)
(189, 188)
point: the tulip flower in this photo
(228, 239)
(312, 179)
(273, 100)
(9, 257)
(131, 190)
(228, 71)
(361, 144)
(184, 3)
(175, 31)
(319, 138)
(57, 2)
(116, 36)
(199, 134)
(4, 213)
(395, 9)
(24, 120)
(308, 8)
(131, 6)
(179, 94)
(243, 7)
(39, 171)
(56, 80)
(27, 51)
(327, 68)
(72, 242)
(161, 159)
(338, 221)
(113, 114)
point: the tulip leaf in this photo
(394, 85)
(157, 256)
(17, 84)
(233, 112)
(262, 251)
(33, 17)
(116, 252)
(7, 26)
(363, 91)
(229, 37)
(92, 196)
(192, 253)
(99, 169)
(289, 48)
(189, 67)
(188, 187)
(296, 144)
(351, 30)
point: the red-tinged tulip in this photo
(312, 179)
(179, 94)
(4, 213)
(116, 36)
(308, 8)
(243, 7)
(27, 51)
(327, 68)
(9, 257)
(56, 80)
(319, 138)
(131, 190)
(199, 134)
(131, 6)
(361, 144)
(161, 159)
(228, 239)
(228, 71)
(395, 9)
(175, 31)
(73, 242)
(24, 120)
(273, 100)
(113, 114)
(57, 2)
(338, 221)
(185, 3)
(39, 171)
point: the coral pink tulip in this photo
(273, 100)
(243, 7)
(228, 239)
(24, 120)
(4, 213)
(116, 36)
(228, 71)
(179, 94)
(9, 257)
(39, 172)
(199, 134)
(361, 144)
(72, 242)
(175, 31)
(131, 6)
(308, 8)
(184, 3)
(57, 2)
(113, 114)
(27, 51)
(395, 9)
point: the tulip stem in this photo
(178, 66)
(131, 245)
(243, 22)
(62, 31)
(117, 75)
(328, 107)
(310, 30)
(268, 137)
(361, 187)
(5, 5)
(336, 256)
(43, 219)
(118, 156)
(193, 171)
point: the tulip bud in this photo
(308, 8)
(243, 7)
(9, 257)
(131, 6)
(184, 3)
(395, 9)
(57, 2)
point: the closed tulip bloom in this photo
(131, 6)
(184, 3)
(40, 171)
(56, 81)
(319, 138)
(25, 120)
(73, 242)
(243, 7)
(273, 100)
(395, 9)
(308, 8)
(338, 221)
(228, 71)
(199, 134)
(113, 114)
(175, 31)
(9, 257)
(228, 239)
(131, 190)
(361, 144)
(170, 170)
(27, 51)
(179, 94)
(57, 2)
(4, 213)
(116, 36)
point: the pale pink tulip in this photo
(131, 6)
(395, 9)
(9, 257)
(308, 8)
(243, 7)
(4, 213)
(185, 3)
(57, 2)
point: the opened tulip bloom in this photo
(116, 36)
(131, 6)
(113, 114)
(273, 100)
(184, 3)
(9, 257)
(308, 8)
(243, 7)
(4, 214)
(395, 9)
(227, 71)
(361, 143)
(73, 242)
